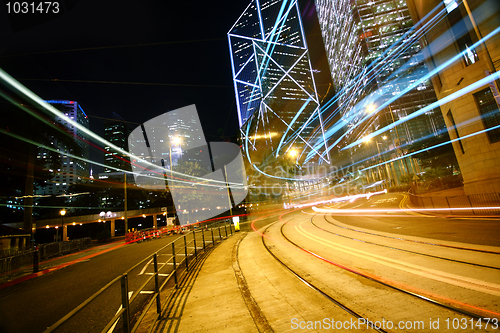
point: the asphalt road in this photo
(36, 304)
(472, 230)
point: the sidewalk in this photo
(211, 300)
(241, 288)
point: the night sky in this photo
(156, 55)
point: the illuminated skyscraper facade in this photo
(72, 170)
(116, 131)
(277, 101)
(373, 57)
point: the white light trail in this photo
(350, 198)
(15, 84)
(381, 210)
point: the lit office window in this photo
(460, 27)
(490, 115)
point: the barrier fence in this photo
(479, 204)
(60, 248)
(11, 265)
(13, 261)
(148, 285)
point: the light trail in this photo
(22, 89)
(373, 70)
(161, 177)
(350, 198)
(381, 210)
(484, 81)
(436, 46)
(406, 40)
(50, 207)
(435, 146)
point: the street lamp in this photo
(386, 174)
(176, 140)
(62, 212)
(370, 108)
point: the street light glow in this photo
(62, 212)
(293, 152)
(176, 140)
(370, 108)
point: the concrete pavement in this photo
(210, 293)
(241, 288)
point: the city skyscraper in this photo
(373, 57)
(276, 97)
(177, 130)
(116, 131)
(71, 170)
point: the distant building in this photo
(472, 116)
(116, 131)
(172, 130)
(163, 141)
(71, 170)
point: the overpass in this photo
(95, 218)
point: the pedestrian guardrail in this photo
(133, 308)
(479, 204)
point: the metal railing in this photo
(163, 272)
(29, 259)
(479, 204)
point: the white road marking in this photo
(112, 328)
(159, 274)
(145, 266)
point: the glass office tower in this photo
(374, 56)
(277, 101)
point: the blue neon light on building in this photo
(277, 101)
